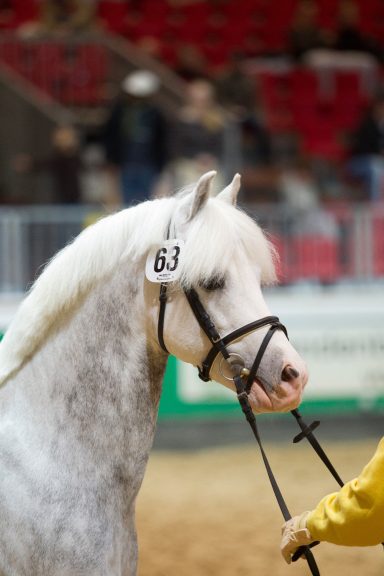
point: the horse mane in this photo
(214, 236)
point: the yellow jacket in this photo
(354, 516)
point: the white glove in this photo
(294, 534)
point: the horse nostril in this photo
(289, 373)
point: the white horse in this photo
(81, 370)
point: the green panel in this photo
(172, 405)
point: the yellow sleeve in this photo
(354, 516)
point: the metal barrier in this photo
(30, 236)
(346, 371)
(326, 245)
(318, 246)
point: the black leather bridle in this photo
(219, 343)
(243, 379)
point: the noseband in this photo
(219, 343)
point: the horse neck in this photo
(98, 374)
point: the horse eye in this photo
(214, 283)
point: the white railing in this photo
(31, 235)
(327, 245)
(320, 246)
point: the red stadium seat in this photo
(278, 244)
(113, 14)
(276, 94)
(281, 244)
(25, 11)
(315, 258)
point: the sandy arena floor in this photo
(213, 513)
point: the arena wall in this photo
(339, 331)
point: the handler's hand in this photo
(294, 534)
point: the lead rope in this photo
(251, 419)
(219, 345)
(307, 432)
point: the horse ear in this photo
(229, 194)
(201, 193)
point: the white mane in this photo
(216, 232)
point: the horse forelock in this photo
(213, 238)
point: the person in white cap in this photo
(135, 135)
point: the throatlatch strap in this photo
(160, 324)
(163, 303)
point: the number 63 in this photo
(161, 259)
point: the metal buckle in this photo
(234, 359)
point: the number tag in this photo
(163, 261)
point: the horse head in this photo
(226, 261)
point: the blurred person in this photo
(236, 91)
(353, 516)
(62, 17)
(305, 33)
(150, 46)
(238, 95)
(68, 15)
(197, 138)
(348, 35)
(256, 161)
(191, 63)
(300, 193)
(63, 164)
(6, 13)
(135, 137)
(366, 163)
(347, 47)
(298, 187)
(95, 181)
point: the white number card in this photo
(163, 261)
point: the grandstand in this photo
(309, 109)
(48, 80)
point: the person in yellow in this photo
(353, 516)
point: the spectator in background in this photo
(134, 137)
(6, 13)
(347, 47)
(191, 63)
(63, 164)
(67, 15)
(256, 161)
(237, 93)
(62, 17)
(348, 35)
(197, 138)
(366, 163)
(301, 194)
(235, 89)
(305, 33)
